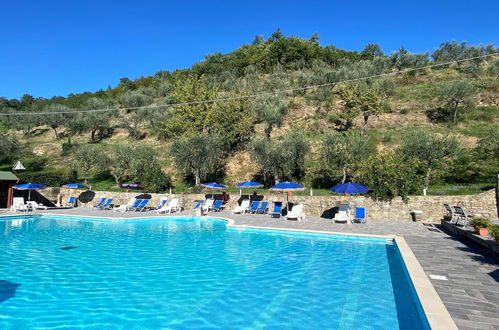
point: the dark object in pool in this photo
(7, 290)
(68, 247)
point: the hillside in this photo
(282, 136)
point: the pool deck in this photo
(470, 293)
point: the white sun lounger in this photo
(296, 213)
(343, 214)
(36, 206)
(18, 204)
(170, 208)
(241, 208)
(125, 207)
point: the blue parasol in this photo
(213, 185)
(349, 188)
(132, 186)
(29, 187)
(248, 185)
(287, 186)
(75, 186)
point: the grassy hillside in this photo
(408, 103)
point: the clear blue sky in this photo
(50, 48)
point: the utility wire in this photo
(241, 97)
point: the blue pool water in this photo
(194, 273)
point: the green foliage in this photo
(388, 175)
(488, 145)
(97, 123)
(199, 155)
(51, 177)
(280, 159)
(362, 99)
(494, 231)
(480, 223)
(371, 50)
(87, 158)
(457, 95)
(342, 152)
(132, 120)
(9, 146)
(429, 150)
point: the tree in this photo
(342, 152)
(270, 109)
(361, 98)
(56, 119)
(457, 94)
(119, 160)
(97, 123)
(280, 159)
(388, 175)
(198, 155)
(488, 145)
(133, 120)
(430, 150)
(371, 50)
(87, 158)
(8, 146)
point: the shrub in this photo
(494, 231)
(480, 223)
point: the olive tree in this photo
(55, 119)
(430, 151)
(199, 155)
(134, 118)
(280, 158)
(8, 146)
(341, 152)
(457, 95)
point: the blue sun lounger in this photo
(253, 207)
(263, 208)
(217, 206)
(142, 205)
(276, 211)
(360, 215)
(102, 201)
(134, 206)
(106, 204)
(71, 202)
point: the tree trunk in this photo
(85, 180)
(344, 174)
(55, 133)
(116, 179)
(268, 130)
(366, 121)
(197, 178)
(426, 181)
(92, 135)
(454, 120)
(276, 179)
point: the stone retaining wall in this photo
(483, 204)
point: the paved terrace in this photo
(471, 293)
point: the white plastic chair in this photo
(18, 204)
(36, 206)
(296, 213)
(170, 208)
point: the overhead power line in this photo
(241, 97)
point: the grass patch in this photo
(455, 190)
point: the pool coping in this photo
(436, 313)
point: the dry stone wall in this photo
(483, 204)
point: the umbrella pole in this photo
(29, 195)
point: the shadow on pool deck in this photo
(7, 290)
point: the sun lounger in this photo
(107, 204)
(217, 205)
(71, 202)
(360, 215)
(132, 207)
(101, 202)
(241, 208)
(451, 214)
(125, 207)
(18, 204)
(462, 215)
(172, 207)
(343, 214)
(36, 206)
(263, 208)
(142, 205)
(253, 207)
(162, 202)
(296, 213)
(208, 204)
(276, 211)
(197, 204)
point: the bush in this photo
(480, 223)
(49, 177)
(494, 231)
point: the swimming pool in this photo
(197, 273)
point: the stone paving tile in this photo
(471, 293)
